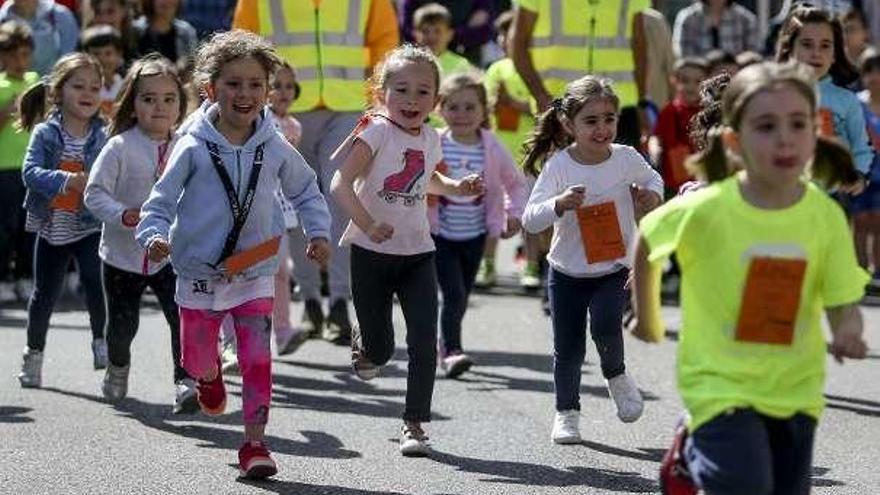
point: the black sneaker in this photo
(313, 318)
(338, 327)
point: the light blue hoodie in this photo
(849, 121)
(190, 203)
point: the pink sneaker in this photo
(254, 461)
(674, 476)
(212, 394)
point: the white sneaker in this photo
(185, 397)
(229, 359)
(413, 441)
(31, 375)
(454, 365)
(7, 292)
(566, 429)
(627, 398)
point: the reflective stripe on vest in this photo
(567, 44)
(324, 41)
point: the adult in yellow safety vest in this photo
(334, 44)
(557, 41)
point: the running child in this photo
(587, 191)
(225, 255)
(56, 167)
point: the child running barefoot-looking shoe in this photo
(215, 213)
(151, 103)
(586, 190)
(56, 166)
(751, 374)
(393, 156)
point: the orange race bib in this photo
(72, 200)
(771, 300)
(250, 257)
(506, 117)
(826, 123)
(677, 157)
(600, 232)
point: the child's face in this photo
(80, 94)
(165, 8)
(855, 35)
(17, 61)
(435, 36)
(110, 58)
(594, 127)
(283, 91)
(109, 12)
(814, 46)
(157, 105)
(687, 83)
(871, 80)
(463, 112)
(777, 136)
(409, 94)
(241, 90)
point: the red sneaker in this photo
(212, 395)
(254, 461)
(674, 476)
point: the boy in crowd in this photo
(105, 44)
(433, 29)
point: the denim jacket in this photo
(40, 170)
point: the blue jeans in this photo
(570, 300)
(50, 267)
(746, 452)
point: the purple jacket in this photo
(506, 192)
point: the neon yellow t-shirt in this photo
(13, 142)
(452, 63)
(715, 235)
(503, 72)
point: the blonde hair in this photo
(462, 81)
(549, 135)
(150, 66)
(397, 59)
(32, 106)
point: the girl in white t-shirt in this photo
(586, 191)
(388, 169)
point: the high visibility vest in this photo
(573, 38)
(324, 41)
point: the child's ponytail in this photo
(711, 163)
(547, 137)
(833, 165)
(32, 106)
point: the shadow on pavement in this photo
(293, 488)
(522, 473)
(487, 381)
(13, 414)
(642, 454)
(862, 407)
(157, 416)
(818, 472)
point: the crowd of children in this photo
(767, 167)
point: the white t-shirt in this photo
(394, 188)
(608, 181)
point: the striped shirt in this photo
(462, 217)
(63, 227)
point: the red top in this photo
(672, 131)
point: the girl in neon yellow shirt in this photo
(763, 252)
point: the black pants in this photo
(16, 245)
(457, 265)
(124, 291)
(375, 279)
(570, 300)
(50, 267)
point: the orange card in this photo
(600, 232)
(506, 117)
(771, 300)
(250, 257)
(826, 123)
(677, 157)
(72, 200)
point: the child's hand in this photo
(380, 232)
(158, 250)
(131, 217)
(318, 250)
(572, 198)
(77, 182)
(514, 225)
(472, 185)
(852, 188)
(847, 342)
(645, 199)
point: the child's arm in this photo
(439, 184)
(100, 191)
(647, 324)
(44, 181)
(356, 163)
(300, 186)
(546, 203)
(649, 185)
(515, 190)
(846, 330)
(160, 209)
(857, 135)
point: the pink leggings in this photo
(253, 322)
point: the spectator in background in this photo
(714, 24)
(721, 61)
(53, 28)
(433, 29)
(471, 21)
(115, 13)
(856, 36)
(208, 16)
(160, 30)
(659, 58)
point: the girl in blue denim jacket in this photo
(56, 166)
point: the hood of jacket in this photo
(204, 129)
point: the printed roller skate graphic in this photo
(405, 184)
